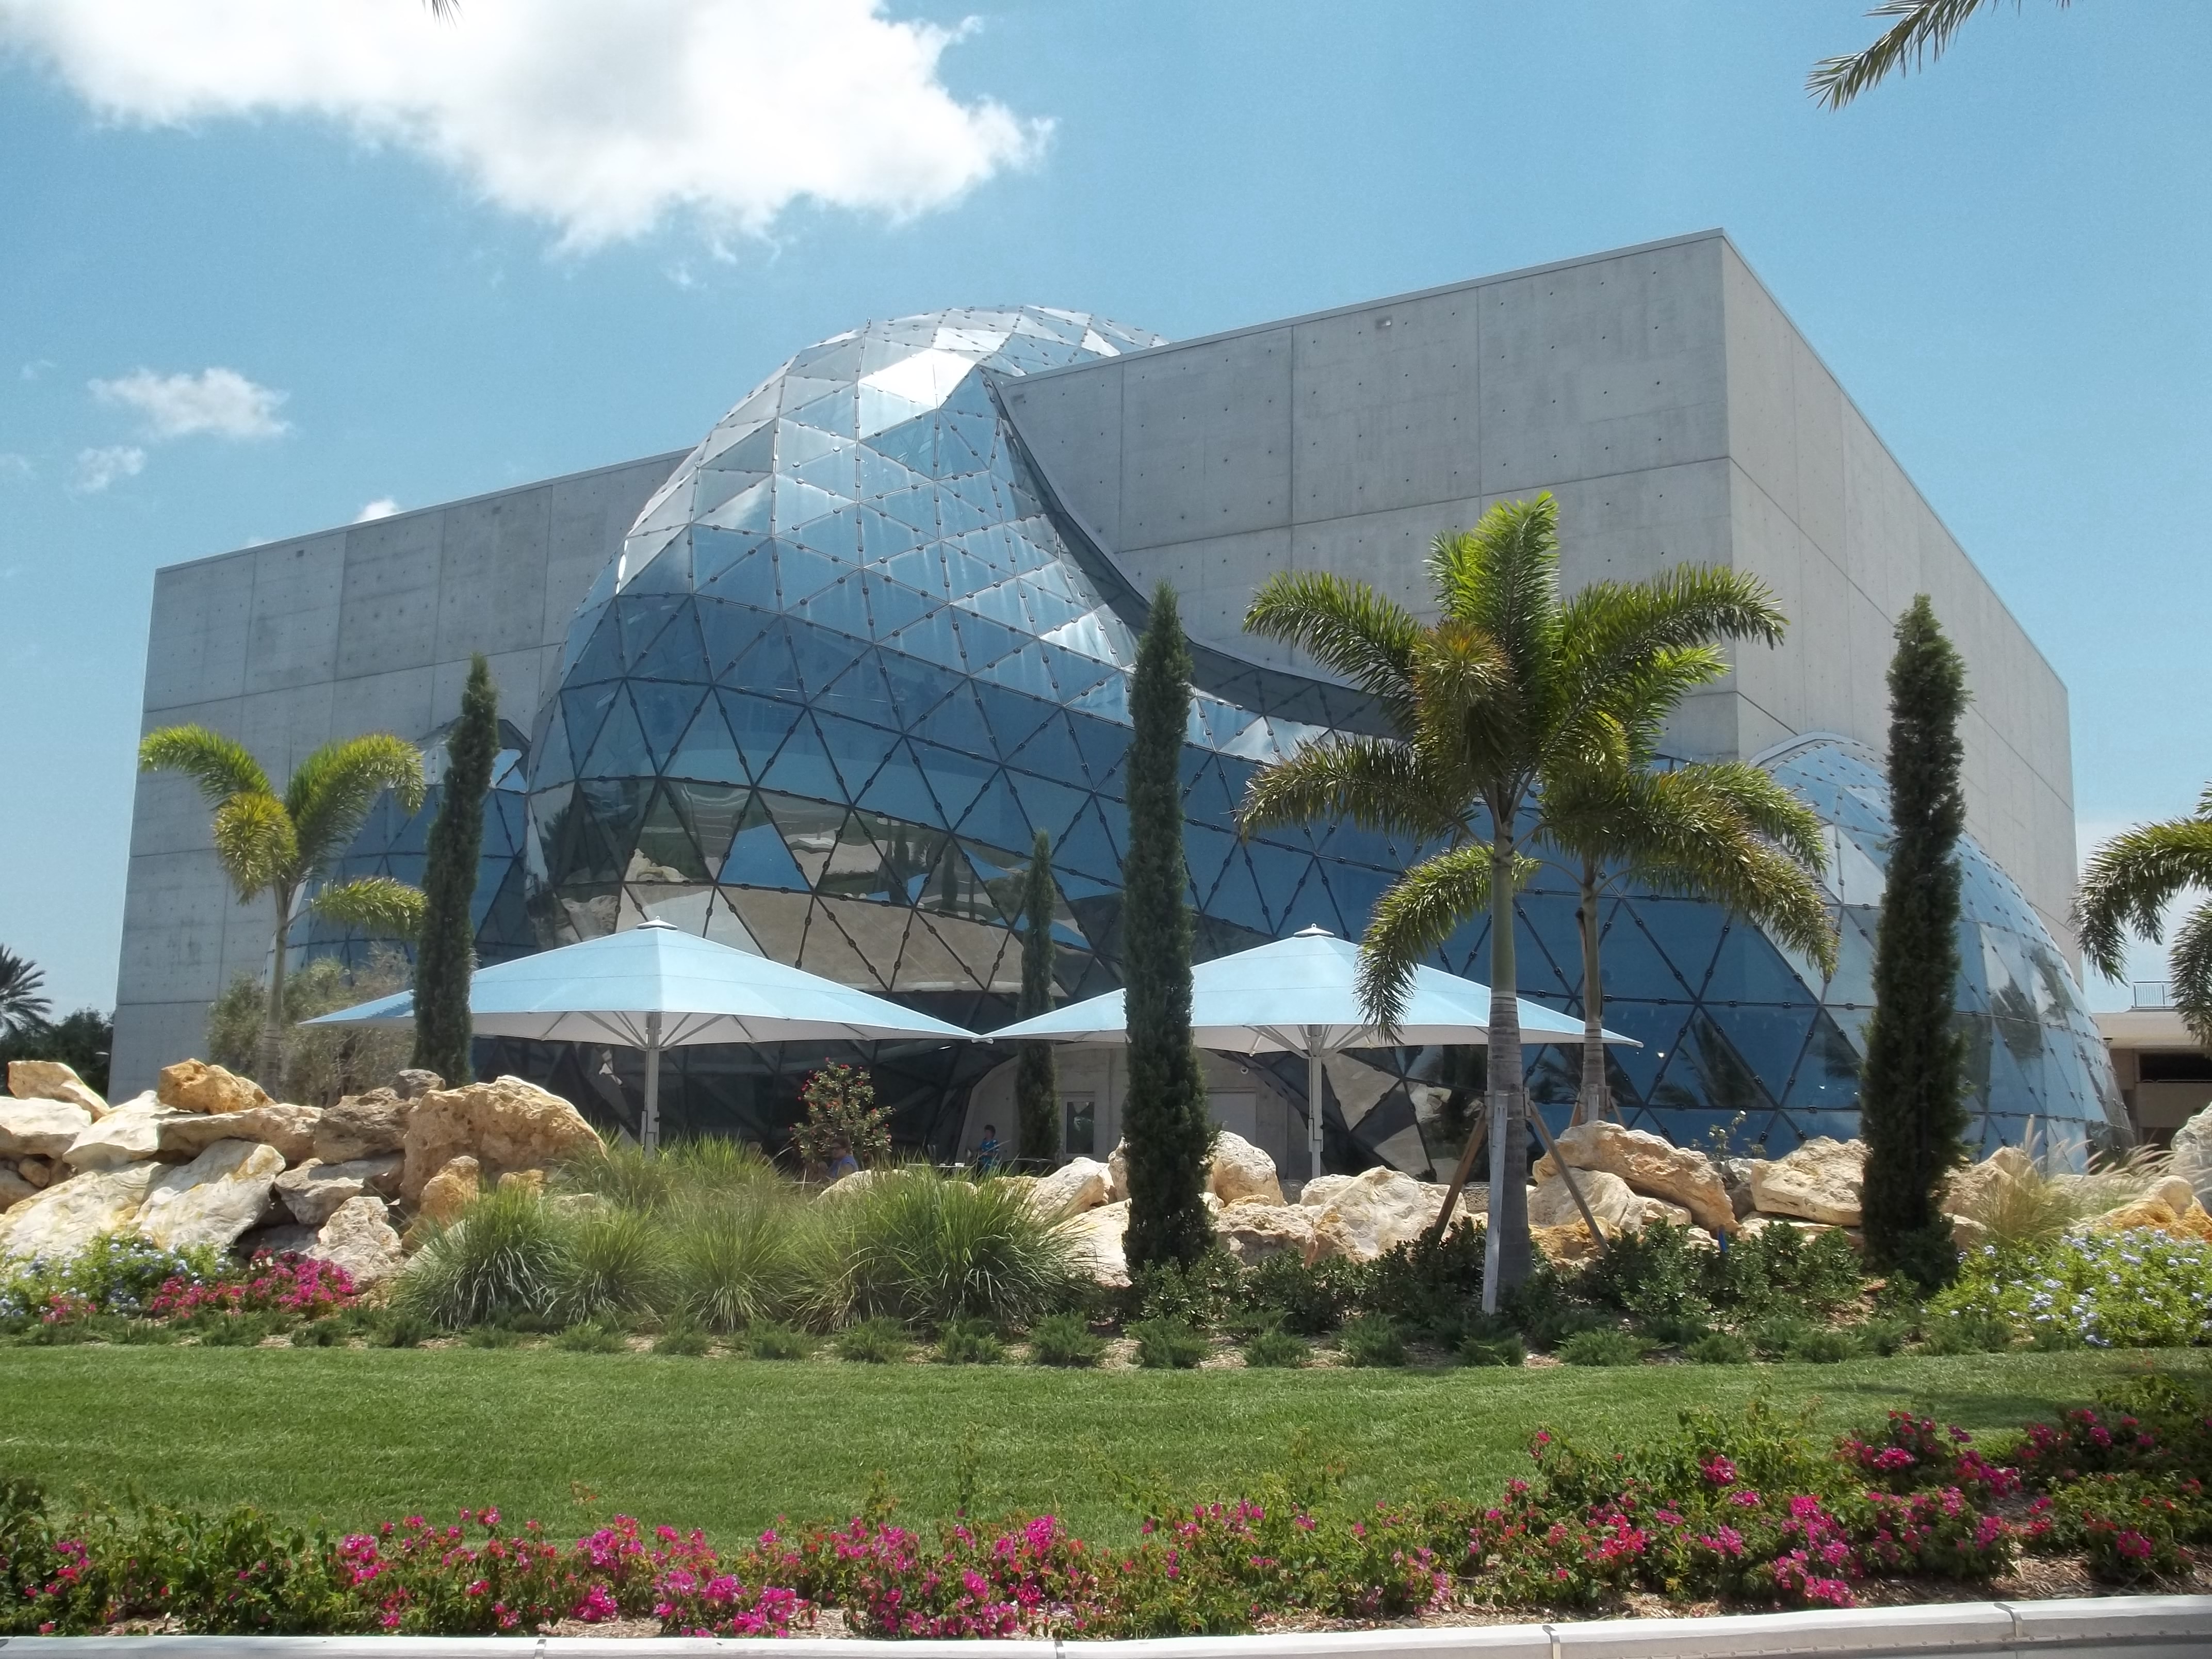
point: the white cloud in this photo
(96, 469)
(218, 400)
(382, 507)
(602, 120)
(14, 466)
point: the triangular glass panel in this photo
(812, 829)
(642, 619)
(730, 563)
(769, 667)
(1236, 898)
(857, 749)
(1688, 932)
(933, 640)
(830, 953)
(664, 711)
(730, 630)
(552, 759)
(1205, 851)
(668, 571)
(1631, 964)
(620, 749)
(759, 724)
(678, 654)
(709, 752)
(712, 486)
(899, 791)
(821, 656)
(957, 776)
(1050, 807)
(996, 818)
(751, 509)
(601, 658)
(893, 605)
(1749, 969)
(921, 569)
(1085, 849)
(1769, 1039)
(758, 857)
(956, 720)
(801, 573)
(665, 850)
(798, 503)
(861, 693)
(802, 766)
(1013, 717)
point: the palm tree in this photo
(1923, 30)
(2126, 889)
(1720, 830)
(23, 1003)
(1510, 690)
(268, 843)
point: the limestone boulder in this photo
(359, 1238)
(130, 1134)
(290, 1129)
(1080, 1184)
(14, 1189)
(2191, 1155)
(313, 1192)
(528, 1181)
(1238, 1172)
(70, 1214)
(1978, 1189)
(1252, 1230)
(1651, 1165)
(193, 1085)
(507, 1124)
(1736, 1175)
(1117, 1172)
(1818, 1182)
(450, 1191)
(42, 1128)
(49, 1080)
(1566, 1245)
(362, 1126)
(224, 1192)
(1095, 1243)
(275, 1238)
(1317, 1192)
(2174, 1192)
(40, 1172)
(414, 1082)
(1378, 1210)
(846, 1185)
(1618, 1208)
(1967, 1233)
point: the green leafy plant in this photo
(1168, 1344)
(877, 1341)
(773, 1342)
(839, 1108)
(590, 1336)
(492, 1336)
(1308, 1300)
(1063, 1339)
(969, 1342)
(1603, 1347)
(1968, 1330)
(684, 1341)
(1719, 1348)
(1277, 1350)
(1371, 1339)
(400, 1329)
(2140, 1289)
(613, 1264)
(1486, 1350)
(1823, 1345)
(445, 950)
(731, 1265)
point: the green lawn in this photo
(353, 1435)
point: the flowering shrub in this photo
(289, 1283)
(1744, 1509)
(118, 1274)
(2142, 1289)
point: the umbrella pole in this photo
(1313, 1083)
(652, 1136)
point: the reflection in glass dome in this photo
(852, 656)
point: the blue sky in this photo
(2005, 260)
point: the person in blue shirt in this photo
(986, 1150)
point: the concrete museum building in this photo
(811, 687)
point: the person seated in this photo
(988, 1155)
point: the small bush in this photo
(1506, 1349)
(1277, 1350)
(505, 1254)
(969, 1342)
(1308, 1300)
(926, 1247)
(140, 1332)
(731, 1264)
(1882, 1336)
(1063, 1339)
(589, 1336)
(1774, 1336)
(1673, 1330)
(1428, 1285)
(1719, 1348)
(493, 1336)
(1371, 1339)
(877, 1341)
(2140, 1289)
(235, 1331)
(1603, 1347)
(1824, 1345)
(686, 1341)
(1652, 1273)
(399, 1329)
(1168, 1344)
(1204, 1294)
(773, 1341)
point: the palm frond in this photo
(222, 767)
(375, 904)
(2129, 881)
(2190, 963)
(1345, 625)
(1418, 912)
(1502, 577)
(253, 842)
(1767, 804)
(1378, 783)
(334, 788)
(1922, 31)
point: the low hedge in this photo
(1744, 1509)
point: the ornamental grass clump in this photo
(877, 1341)
(731, 1265)
(613, 1265)
(504, 1256)
(924, 1248)
(1603, 1347)
(1277, 1350)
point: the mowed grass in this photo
(350, 1436)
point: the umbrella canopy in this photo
(654, 987)
(1301, 996)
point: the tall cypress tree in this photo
(1037, 1077)
(445, 951)
(1912, 1089)
(1163, 1118)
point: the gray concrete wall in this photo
(290, 644)
(1666, 400)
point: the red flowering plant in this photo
(288, 1283)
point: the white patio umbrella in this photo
(654, 987)
(1301, 996)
